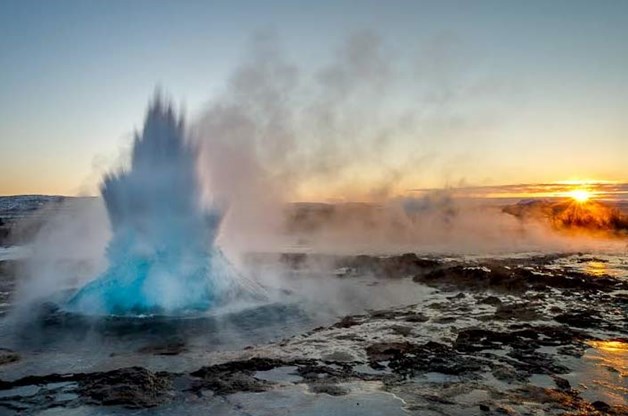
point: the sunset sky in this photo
(534, 91)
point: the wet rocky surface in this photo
(511, 336)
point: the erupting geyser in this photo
(162, 255)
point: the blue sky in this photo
(75, 76)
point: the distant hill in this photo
(566, 215)
(18, 207)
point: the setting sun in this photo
(580, 195)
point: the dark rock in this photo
(404, 265)
(444, 320)
(8, 356)
(229, 383)
(315, 373)
(347, 322)
(497, 276)
(407, 264)
(384, 314)
(331, 389)
(384, 351)
(476, 339)
(522, 354)
(133, 387)
(571, 350)
(408, 359)
(561, 383)
(580, 319)
(490, 300)
(349, 337)
(507, 374)
(485, 408)
(518, 311)
(601, 406)
(536, 362)
(457, 297)
(401, 330)
(475, 278)
(416, 317)
(590, 259)
(237, 376)
(39, 380)
(409, 316)
(439, 306)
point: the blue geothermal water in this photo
(162, 256)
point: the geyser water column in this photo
(162, 255)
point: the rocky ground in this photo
(512, 336)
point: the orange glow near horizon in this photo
(580, 195)
(579, 192)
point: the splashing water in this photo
(162, 256)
